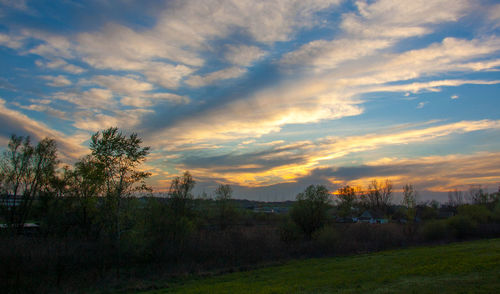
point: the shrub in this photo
(434, 230)
(326, 239)
(461, 226)
(290, 232)
(477, 212)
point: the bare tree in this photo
(225, 210)
(379, 195)
(410, 204)
(455, 198)
(346, 199)
(477, 195)
(181, 198)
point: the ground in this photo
(468, 267)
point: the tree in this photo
(225, 210)
(25, 171)
(455, 198)
(86, 183)
(346, 199)
(181, 198)
(309, 211)
(119, 157)
(477, 195)
(410, 204)
(379, 195)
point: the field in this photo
(468, 267)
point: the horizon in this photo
(268, 98)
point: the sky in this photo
(267, 96)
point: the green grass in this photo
(469, 267)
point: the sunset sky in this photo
(268, 96)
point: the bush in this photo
(461, 226)
(290, 232)
(478, 213)
(326, 239)
(434, 230)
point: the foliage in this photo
(434, 230)
(461, 226)
(225, 210)
(309, 211)
(26, 172)
(326, 239)
(289, 231)
(477, 212)
(120, 156)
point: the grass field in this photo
(469, 267)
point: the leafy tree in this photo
(119, 157)
(26, 172)
(309, 211)
(226, 212)
(86, 183)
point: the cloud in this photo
(228, 73)
(123, 85)
(432, 86)
(95, 98)
(57, 81)
(125, 119)
(288, 162)
(10, 41)
(243, 55)
(422, 104)
(14, 122)
(150, 99)
(401, 19)
(322, 54)
(60, 64)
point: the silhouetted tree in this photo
(455, 198)
(120, 157)
(25, 171)
(309, 211)
(181, 198)
(379, 195)
(226, 212)
(410, 204)
(346, 200)
(477, 195)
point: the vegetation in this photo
(309, 211)
(471, 267)
(98, 220)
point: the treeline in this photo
(99, 222)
